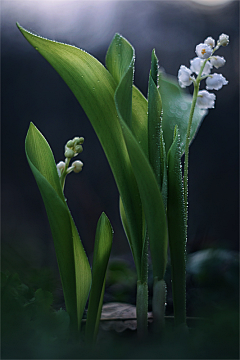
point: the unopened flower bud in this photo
(77, 166)
(203, 51)
(78, 149)
(76, 140)
(223, 40)
(210, 41)
(81, 140)
(60, 167)
(69, 153)
(70, 144)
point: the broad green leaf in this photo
(149, 190)
(102, 249)
(120, 63)
(72, 261)
(94, 87)
(152, 203)
(177, 229)
(140, 119)
(176, 109)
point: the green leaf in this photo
(156, 144)
(102, 249)
(152, 203)
(154, 120)
(44, 299)
(177, 229)
(94, 87)
(148, 188)
(72, 261)
(120, 63)
(176, 109)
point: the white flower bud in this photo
(77, 166)
(210, 41)
(217, 61)
(69, 153)
(184, 75)
(205, 100)
(223, 40)
(203, 51)
(196, 64)
(60, 167)
(215, 82)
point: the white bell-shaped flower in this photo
(215, 82)
(210, 41)
(60, 167)
(184, 76)
(205, 100)
(77, 166)
(203, 51)
(223, 40)
(196, 64)
(217, 61)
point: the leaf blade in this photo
(177, 229)
(176, 109)
(94, 87)
(102, 249)
(67, 243)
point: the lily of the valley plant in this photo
(144, 140)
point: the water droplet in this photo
(183, 106)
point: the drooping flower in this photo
(184, 76)
(77, 166)
(210, 41)
(217, 61)
(215, 82)
(196, 64)
(223, 40)
(205, 100)
(60, 167)
(203, 51)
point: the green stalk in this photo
(142, 295)
(64, 174)
(185, 184)
(195, 95)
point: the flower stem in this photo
(64, 173)
(185, 184)
(142, 295)
(142, 309)
(185, 177)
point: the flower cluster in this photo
(72, 149)
(202, 66)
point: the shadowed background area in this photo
(33, 91)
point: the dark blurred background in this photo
(33, 91)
